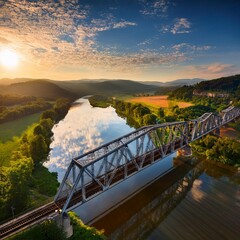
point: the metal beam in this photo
(102, 164)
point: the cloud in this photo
(210, 71)
(67, 37)
(157, 8)
(189, 47)
(52, 33)
(144, 43)
(218, 68)
(123, 24)
(4, 41)
(196, 192)
(181, 25)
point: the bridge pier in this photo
(185, 151)
(63, 222)
(217, 132)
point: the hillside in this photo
(50, 89)
(106, 87)
(37, 88)
(228, 85)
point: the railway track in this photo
(26, 220)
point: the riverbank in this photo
(25, 183)
(230, 132)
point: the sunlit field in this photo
(17, 127)
(159, 101)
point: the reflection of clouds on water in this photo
(83, 129)
(196, 192)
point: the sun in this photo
(9, 58)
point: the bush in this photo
(84, 232)
(224, 150)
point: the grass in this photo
(17, 127)
(6, 150)
(158, 101)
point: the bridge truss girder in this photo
(102, 168)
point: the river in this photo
(83, 129)
(196, 200)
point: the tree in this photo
(38, 130)
(149, 119)
(140, 111)
(49, 114)
(38, 149)
(14, 184)
(47, 125)
(61, 107)
(161, 113)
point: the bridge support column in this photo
(217, 132)
(185, 151)
(63, 222)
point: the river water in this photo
(196, 200)
(83, 129)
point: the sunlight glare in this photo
(9, 58)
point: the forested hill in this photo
(38, 88)
(226, 84)
(110, 87)
(50, 89)
(229, 85)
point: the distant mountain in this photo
(177, 82)
(50, 89)
(109, 87)
(37, 88)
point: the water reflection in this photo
(83, 129)
(189, 198)
(141, 214)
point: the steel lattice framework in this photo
(100, 169)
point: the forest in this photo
(230, 85)
(22, 176)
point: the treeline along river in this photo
(192, 201)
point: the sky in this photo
(158, 40)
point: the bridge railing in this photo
(107, 165)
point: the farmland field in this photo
(17, 127)
(159, 101)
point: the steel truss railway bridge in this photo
(102, 168)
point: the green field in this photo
(6, 150)
(17, 127)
